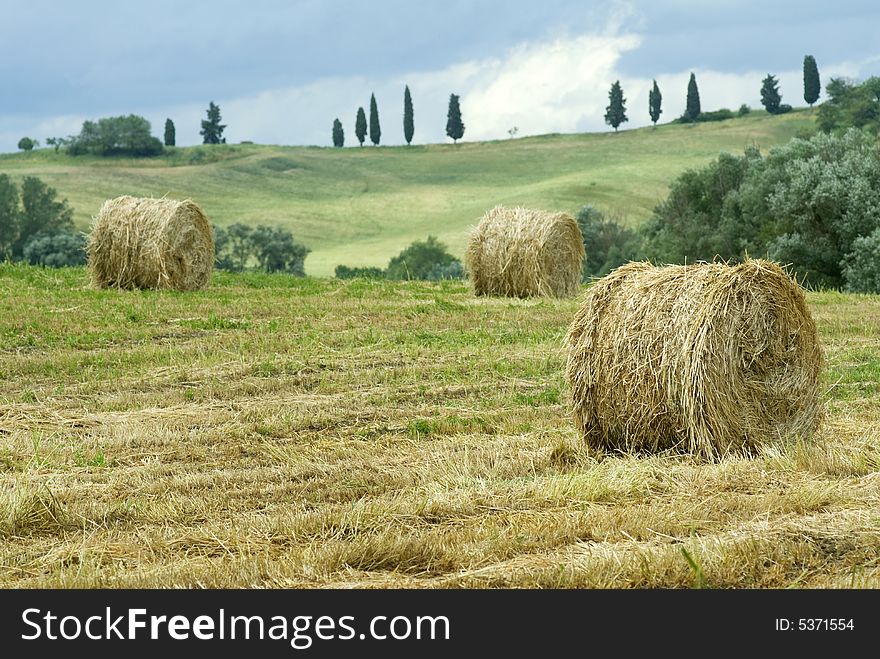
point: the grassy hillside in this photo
(280, 432)
(360, 206)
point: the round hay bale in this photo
(151, 243)
(706, 358)
(518, 252)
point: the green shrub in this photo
(607, 244)
(345, 272)
(861, 267)
(689, 224)
(116, 136)
(57, 250)
(426, 259)
(241, 247)
(716, 115)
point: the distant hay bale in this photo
(706, 358)
(151, 243)
(517, 252)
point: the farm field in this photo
(361, 206)
(281, 432)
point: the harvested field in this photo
(278, 432)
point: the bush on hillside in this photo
(716, 115)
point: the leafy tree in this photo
(421, 260)
(770, 97)
(170, 133)
(692, 105)
(58, 142)
(212, 129)
(41, 213)
(360, 126)
(607, 243)
(114, 136)
(240, 245)
(27, 144)
(454, 124)
(408, 125)
(861, 267)
(9, 215)
(819, 196)
(375, 130)
(221, 248)
(615, 113)
(851, 105)
(268, 248)
(655, 98)
(688, 225)
(338, 133)
(57, 250)
(276, 251)
(812, 86)
(808, 203)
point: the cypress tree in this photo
(170, 133)
(338, 133)
(454, 125)
(408, 125)
(360, 126)
(615, 113)
(692, 108)
(770, 97)
(812, 86)
(375, 131)
(654, 101)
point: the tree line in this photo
(454, 123)
(131, 135)
(771, 99)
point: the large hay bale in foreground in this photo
(151, 243)
(518, 252)
(706, 358)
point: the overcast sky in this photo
(281, 71)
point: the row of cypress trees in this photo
(771, 99)
(454, 124)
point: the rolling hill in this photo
(360, 206)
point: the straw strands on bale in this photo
(707, 358)
(151, 243)
(518, 252)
